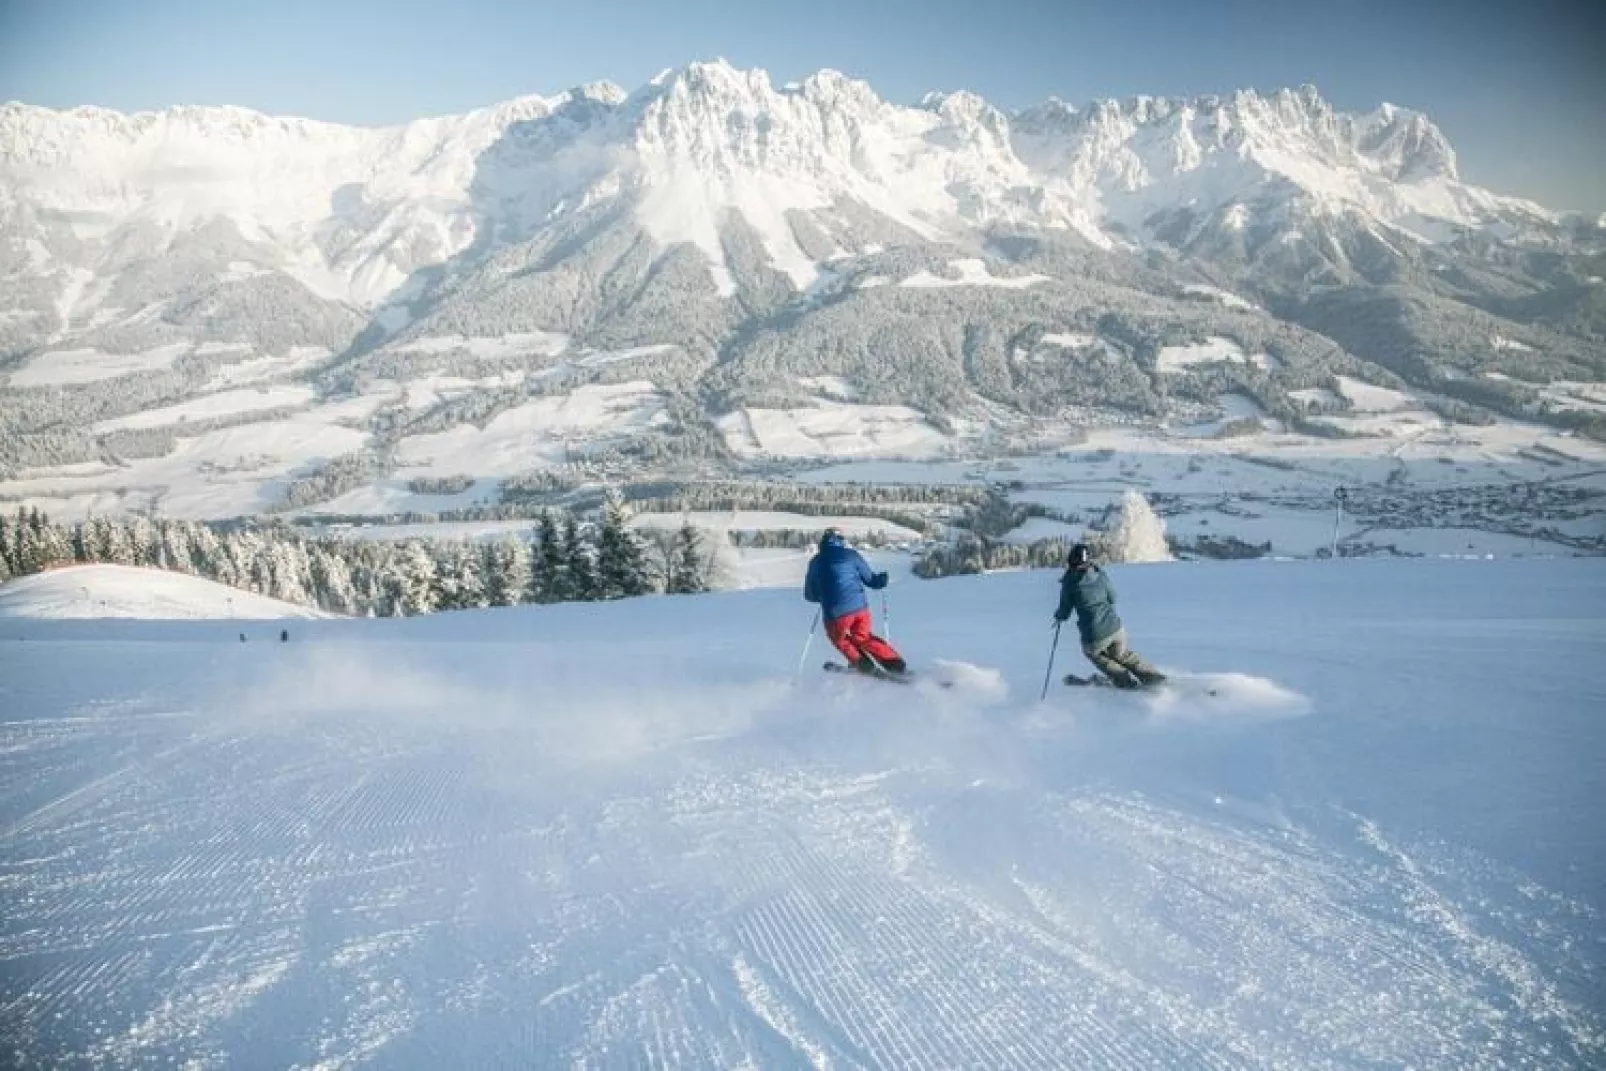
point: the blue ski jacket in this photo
(1088, 594)
(837, 577)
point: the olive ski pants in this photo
(1116, 660)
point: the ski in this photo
(1099, 680)
(878, 675)
(906, 677)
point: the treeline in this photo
(566, 560)
(882, 501)
(885, 502)
(804, 539)
(973, 554)
(334, 478)
(976, 555)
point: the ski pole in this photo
(886, 616)
(1048, 673)
(806, 644)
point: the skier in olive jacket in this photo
(1086, 591)
(836, 580)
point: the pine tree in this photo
(251, 568)
(550, 581)
(688, 568)
(207, 554)
(507, 571)
(143, 541)
(176, 547)
(369, 574)
(461, 577)
(578, 568)
(119, 546)
(519, 569)
(332, 587)
(415, 588)
(622, 569)
(24, 549)
(6, 547)
(54, 545)
(80, 543)
(445, 555)
(97, 540)
(288, 569)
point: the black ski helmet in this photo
(831, 535)
(1079, 556)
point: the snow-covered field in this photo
(1230, 479)
(831, 429)
(56, 367)
(101, 591)
(1212, 351)
(537, 432)
(621, 835)
(1279, 488)
(207, 406)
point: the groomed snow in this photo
(124, 591)
(58, 367)
(620, 835)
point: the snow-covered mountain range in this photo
(351, 213)
(736, 245)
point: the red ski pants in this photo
(851, 634)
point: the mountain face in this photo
(750, 239)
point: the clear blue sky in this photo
(1518, 86)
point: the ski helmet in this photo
(1079, 556)
(831, 535)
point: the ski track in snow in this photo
(463, 854)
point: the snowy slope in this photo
(124, 591)
(619, 835)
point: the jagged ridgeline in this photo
(710, 245)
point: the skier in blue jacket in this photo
(1087, 592)
(836, 580)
